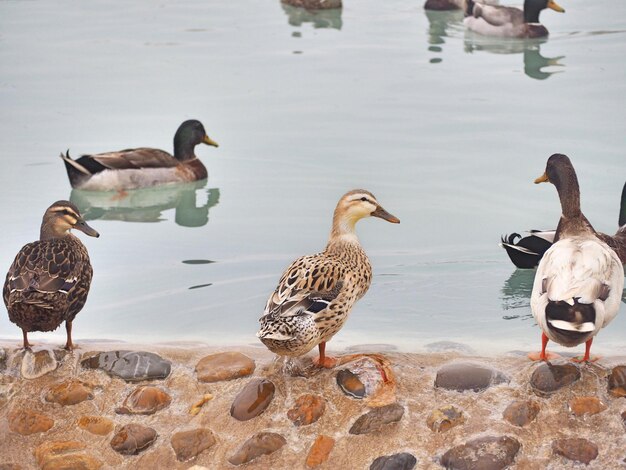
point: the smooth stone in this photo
(548, 378)
(224, 366)
(70, 392)
(377, 418)
(144, 400)
(36, 364)
(617, 381)
(484, 453)
(444, 418)
(307, 409)
(130, 366)
(402, 461)
(65, 455)
(252, 400)
(350, 384)
(462, 376)
(576, 448)
(26, 422)
(581, 406)
(521, 412)
(262, 443)
(189, 444)
(133, 438)
(98, 425)
(320, 451)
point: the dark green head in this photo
(189, 134)
(532, 8)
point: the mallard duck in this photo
(527, 252)
(580, 279)
(508, 22)
(316, 293)
(49, 280)
(141, 167)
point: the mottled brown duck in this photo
(142, 167)
(49, 280)
(316, 293)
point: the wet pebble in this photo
(98, 425)
(617, 381)
(189, 444)
(130, 366)
(402, 461)
(262, 443)
(491, 452)
(133, 438)
(623, 415)
(467, 376)
(307, 409)
(377, 418)
(253, 399)
(224, 366)
(70, 392)
(37, 364)
(444, 418)
(549, 378)
(64, 455)
(350, 384)
(581, 406)
(26, 422)
(521, 412)
(576, 448)
(320, 451)
(145, 400)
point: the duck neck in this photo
(183, 149)
(531, 12)
(50, 231)
(569, 195)
(343, 230)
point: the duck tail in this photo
(622, 211)
(76, 172)
(572, 319)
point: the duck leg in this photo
(324, 360)
(586, 357)
(543, 355)
(68, 327)
(27, 345)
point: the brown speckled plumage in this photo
(316, 293)
(49, 279)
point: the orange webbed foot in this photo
(327, 362)
(537, 356)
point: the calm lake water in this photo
(447, 129)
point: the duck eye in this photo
(363, 199)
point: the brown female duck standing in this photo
(49, 280)
(316, 293)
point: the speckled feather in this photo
(48, 283)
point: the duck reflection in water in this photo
(516, 293)
(327, 18)
(534, 62)
(439, 23)
(147, 205)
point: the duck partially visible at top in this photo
(142, 167)
(509, 22)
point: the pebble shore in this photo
(113, 405)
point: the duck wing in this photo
(498, 15)
(129, 159)
(307, 287)
(43, 271)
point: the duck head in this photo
(356, 205)
(560, 172)
(189, 134)
(532, 8)
(60, 218)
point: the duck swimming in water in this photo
(142, 167)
